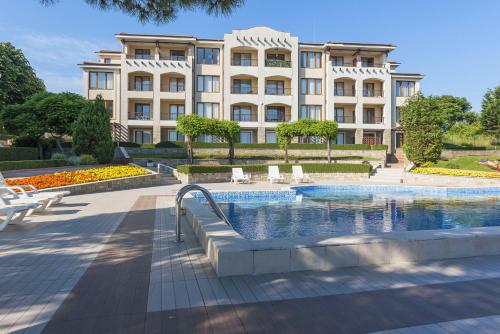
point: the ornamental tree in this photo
(191, 126)
(285, 133)
(452, 110)
(92, 132)
(328, 131)
(490, 113)
(227, 131)
(422, 124)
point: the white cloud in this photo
(57, 82)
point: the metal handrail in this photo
(178, 199)
(171, 170)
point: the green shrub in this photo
(58, 156)
(127, 144)
(87, 159)
(147, 145)
(284, 168)
(452, 165)
(379, 147)
(170, 144)
(31, 164)
(18, 153)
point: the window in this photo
(275, 114)
(142, 84)
(242, 86)
(310, 59)
(142, 54)
(142, 111)
(207, 56)
(242, 114)
(342, 117)
(398, 114)
(208, 83)
(177, 55)
(173, 135)
(176, 85)
(108, 104)
(310, 86)
(107, 60)
(367, 62)
(405, 88)
(176, 111)
(207, 109)
(340, 138)
(242, 59)
(275, 87)
(310, 112)
(271, 137)
(369, 89)
(246, 137)
(143, 136)
(337, 60)
(275, 56)
(101, 80)
(339, 89)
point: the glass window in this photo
(176, 85)
(398, 114)
(107, 60)
(108, 104)
(271, 137)
(142, 54)
(207, 56)
(101, 80)
(275, 87)
(93, 80)
(338, 60)
(310, 59)
(173, 135)
(207, 109)
(101, 77)
(340, 138)
(246, 137)
(177, 55)
(176, 111)
(143, 136)
(142, 111)
(339, 89)
(310, 112)
(242, 86)
(109, 80)
(275, 114)
(310, 86)
(368, 89)
(405, 88)
(208, 83)
(142, 83)
(242, 113)
(367, 62)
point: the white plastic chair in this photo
(299, 176)
(274, 174)
(9, 196)
(239, 176)
(14, 214)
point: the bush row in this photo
(29, 164)
(284, 168)
(169, 144)
(18, 153)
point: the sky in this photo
(454, 43)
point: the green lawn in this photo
(466, 162)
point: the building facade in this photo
(259, 77)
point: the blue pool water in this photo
(344, 210)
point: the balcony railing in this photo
(171, 57)
(277, 118)
(168, 116)
(140, 87)
(140, 57)
(372, 65)
(336, 63)
(243, 90)
(172, 89)
(373, 119)
(140, 116)
(244, 62)
(244, 117)
(278, 63)
(373, 93)
(345, 119)
(278, 91)
(345, 92)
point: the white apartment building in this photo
(259, 77)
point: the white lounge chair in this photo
(274, 174)
(14, 214)
(239, 176)
(29, 190)
(9, 196)
(299, 176)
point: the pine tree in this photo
(490, 113)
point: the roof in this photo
(362, 44)
(418, 75)
(153, 35)
(93, 63)
(108, 51)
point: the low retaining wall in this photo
(226, 177)
(449, 154)
(231, 254)
(449, 180)
(139, 181)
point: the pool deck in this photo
(107, 263)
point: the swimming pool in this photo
(347, 210)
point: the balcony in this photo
(368, 119)
(243, 90)
(244, 62)
(345, 119)
(278, 91)
(244, 117)
(344, 92)
(341, 64)
(172, 89)
(373, 93)
(170, 116)
(141, 57)
(372, 65)
(140, 87)
(139, 116)
(278, 63)
(172, 57)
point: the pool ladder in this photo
(178, 201)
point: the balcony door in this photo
(339, 89)
(143, 136)
(142, 83)
(242, 59)
(369, 115)
(242, 86)
(275, 87)
(275, 114)
(176, 85)
(369, 89)
(142, 111)
(340, 115)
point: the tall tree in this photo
(191, 126)
(26, 119)
(490, 113)
(18, 79)
(423, 126)
(328, 131)
(162, 11)
(92, 132)
(452, 110)
(227, 131)
(285, 133)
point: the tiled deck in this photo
(106, 263)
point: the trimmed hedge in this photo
(284, 168)
(127, 144)
(18, 153)
(31, 164)
(272, 146)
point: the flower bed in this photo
(79, 176)
(454, 172)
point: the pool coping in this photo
(231, 254)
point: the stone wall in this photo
(449, 180)
(226, 177)
(140, 181)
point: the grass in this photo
(482, 142)
(244, 156)
(466, 163)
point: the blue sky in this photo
(455, 43)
